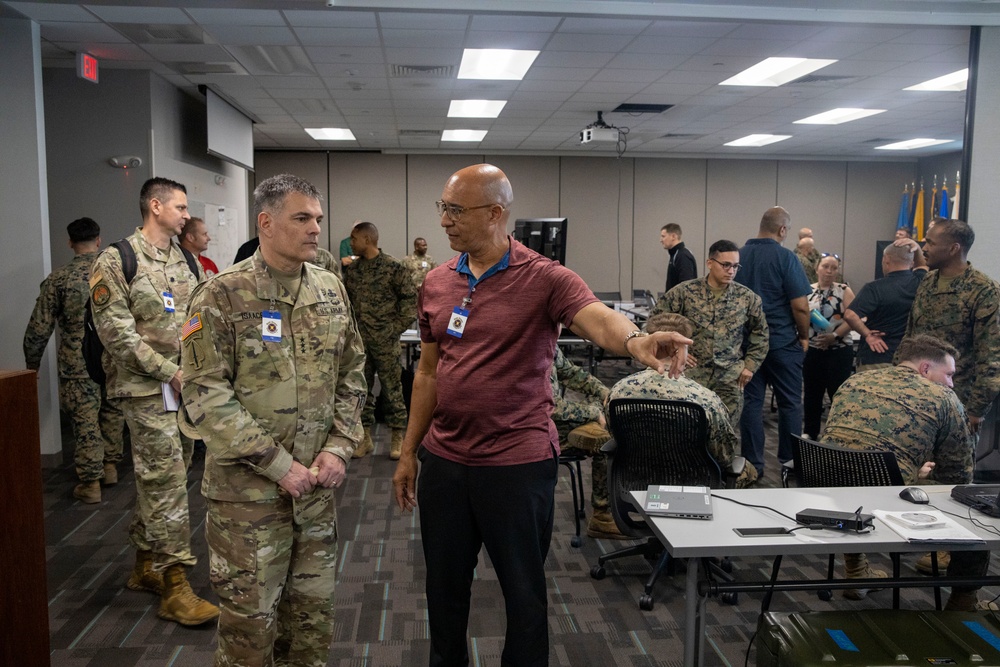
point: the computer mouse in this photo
(915, 494)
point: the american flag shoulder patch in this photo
(193, 324)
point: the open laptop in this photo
(682, 502)
(983, 497)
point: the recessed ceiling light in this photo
(838, 116)
(910, 144)
(330, 133)
(759, 139)
(463, 135)
(505, 64)
(476, 108)
(955, 81)
(776, 71)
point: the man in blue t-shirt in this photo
(776, 276)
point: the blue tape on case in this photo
(983, 633)
(842, 640)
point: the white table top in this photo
(693, 538)
(412, 337)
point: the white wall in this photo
(985, 195)
(24, 242)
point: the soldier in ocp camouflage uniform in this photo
(570, 418)
(277, 399)
(910, 410)
(419, 263)
(61, 301)
(139, 323)
(959, 305)
(730, 331)
(384, 299)
(650, 384)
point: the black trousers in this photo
(822, 373)
(510, 510)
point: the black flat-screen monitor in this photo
(546, 236)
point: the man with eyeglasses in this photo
(480, 413)
(776, 276)
(726, 317)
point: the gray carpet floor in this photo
(381, 613)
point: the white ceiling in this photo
(294, 64)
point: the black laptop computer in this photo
(983, 497)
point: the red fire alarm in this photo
(86, 67)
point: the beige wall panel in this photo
(599, 235)
(310, 165)
(813, 194)
(873, 191)
(425, 179)
(369, 187)
(666, 191)
(535, 181)
(738, 193)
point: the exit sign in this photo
(86, 67)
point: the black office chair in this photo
(571, 459)
(821, 465)
(656, 442)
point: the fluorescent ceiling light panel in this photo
(759, 139)
(910, 144)
(463, 135)
(330, 133)
(776, 71)
(955, 81)
(501, 64)
(476, 108)
(838, 116)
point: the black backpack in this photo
(93, 348)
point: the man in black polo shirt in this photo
(886, 304)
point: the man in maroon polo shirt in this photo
(480, 409)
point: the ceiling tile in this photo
(132, 14)
(81, 32)
(243, 16)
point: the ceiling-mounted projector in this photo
(599, 131)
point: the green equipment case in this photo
(878, 637)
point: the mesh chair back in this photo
(819, 464)
(657, 442)
(608, 296)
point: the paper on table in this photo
(170, 402)
(946, 532)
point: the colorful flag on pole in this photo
(954, 206)
(913, 204)
(903, 219)
(942, 211)
(918, 214)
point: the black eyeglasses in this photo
(726, 266)
(830, 254)
(455, 211)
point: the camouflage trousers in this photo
(80, 398)
(273, 565)
(112, 427)
(598, 464)
(726, 387)
(382, 357)
(160, 522)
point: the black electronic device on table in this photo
(983, 497)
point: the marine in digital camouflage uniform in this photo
(568, 415)
(809, 259)
(419, 263)
(280, 419)
(140, 324)
(721, 438)
(61, 302)
(959, 304)
(730, 331)
(384, 299)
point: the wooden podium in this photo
(24, 632)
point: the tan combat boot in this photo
(180, 604)
(396, 446)
(857, 567)
(602, 525)
(110, 474)
(143, 577)
(88, 492)
(366, 445)
(923, 565)
(590, 437)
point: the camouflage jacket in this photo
(650, 384)
(896, 410)
(325, 259)
(965, 315)
(565, 374)
(418, 267)
(141, 337)
(721, 326)
(809, 262)
(258, 405)
(61, 300)
(383, 296)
